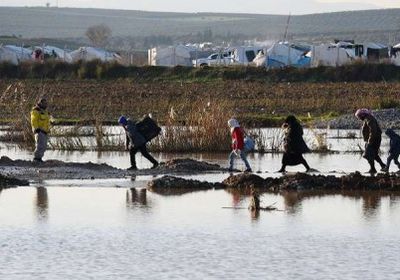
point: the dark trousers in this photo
(143, 150)
(394, 157)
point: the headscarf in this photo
(233, 123)
(362, 113)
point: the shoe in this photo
(385, 169)
(155, 165)
(372, 171)
(132, 168)
(248, 170)
(37, 160)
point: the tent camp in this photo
(90, 53)
(171, 56)
(55, 53)
(7, 55)
(22, 53)
(283, 54)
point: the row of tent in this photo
(17, 54)
(278, 55)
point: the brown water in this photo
(110, 233)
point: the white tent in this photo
(330, 55)
(22, 53)
(90, 53)
(170, 56)
(283, 54)
(56, 53)
(7, 55)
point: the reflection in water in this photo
(42, 203)
(292, 201)
(237, 197)
(371, 200)
(136, 197)
(255, 214)
(371, 203)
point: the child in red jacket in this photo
(237, 145)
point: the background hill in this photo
(144, 29)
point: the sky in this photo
(228, 6)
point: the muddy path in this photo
(246, 183)
(59, 170)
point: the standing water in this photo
(92, 230)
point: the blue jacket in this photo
(133, 137)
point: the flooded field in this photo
(115, 229)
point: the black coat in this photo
(294, 142)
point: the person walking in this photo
(135, 142)
(372, 135)
(394, 149)
(238, 150)
(40, 122)
(294, 145)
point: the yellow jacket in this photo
(40, 119)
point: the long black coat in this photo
(293, 141)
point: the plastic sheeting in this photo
(7, 55)
(90, 53)
(330, 55)
(56, 53)
(282, 55)
(22, 53)
(170, 56)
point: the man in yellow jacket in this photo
(40, 121)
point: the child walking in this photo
(394, 150)
(237, 145)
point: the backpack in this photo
(249, 144)
(148, 128)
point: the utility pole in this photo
(287, 28)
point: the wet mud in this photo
(175, 185)
(54, 169)
(10, 182)
(247, 183)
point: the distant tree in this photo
(99, 34)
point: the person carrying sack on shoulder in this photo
(238, 148)
(135, 142)
(40, 122)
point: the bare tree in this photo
(99, 34)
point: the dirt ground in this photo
(254, 101)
